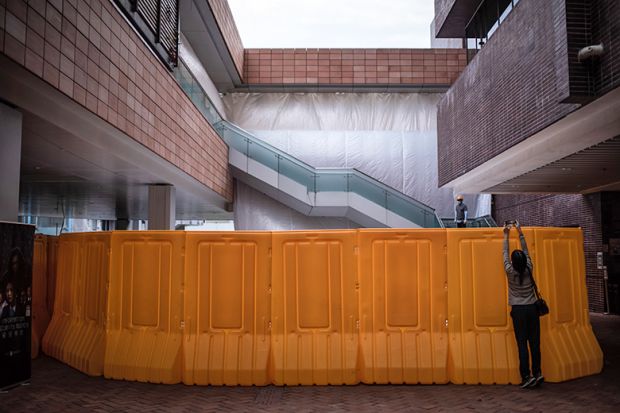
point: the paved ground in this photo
(58, 388)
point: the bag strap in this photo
(534, 284)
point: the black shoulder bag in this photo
(541, 305)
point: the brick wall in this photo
(562, 210)
(592, 22)
(605, 16)
(353, 66)
(510, 90)
(92, 55)
(226, 23)
(610, 211)
(579, 33)
(442, 8)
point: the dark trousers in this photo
(461, 225)
(527, 330)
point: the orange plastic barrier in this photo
(482, 344)
(314, 308)
(403, 305)
(76, 332)
(40, 314)
(145, 306)
(52, 261)
(569, 348)
(227, 308)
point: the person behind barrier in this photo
(460, 212)
(522, 298)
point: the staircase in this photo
(333, 192)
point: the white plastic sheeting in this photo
(391, 137)
(257, 211)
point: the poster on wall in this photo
(16, 247)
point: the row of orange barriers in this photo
(313, 307)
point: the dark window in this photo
(158, 22)
(487, 19)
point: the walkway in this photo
(59, 388)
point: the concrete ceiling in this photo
(577, 154)
(590, 170)
(200, 28)
(64, 175)
(77, 165)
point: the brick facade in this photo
(579, 29)
(228, 28)
(605, 16)
(354, 66)
(512, 89)
(525, 78)
(610, 219)
(592, 22)
(562, 210)
(442, 8)
(92, 55)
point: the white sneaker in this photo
(527, 382)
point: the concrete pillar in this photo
(10, 159)
(162, 207)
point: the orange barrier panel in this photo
(227, 308)
(569, 347)
(314, 308)
(482, 344)
(145, 300)
(40, 314)
(52, 261)
(403, 306)
(76, 334)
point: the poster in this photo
(16, 248)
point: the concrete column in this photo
(162, 207)
(10, 159)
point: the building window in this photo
(158, 23)
(485, 22)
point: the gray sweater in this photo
(519, 294)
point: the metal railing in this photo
(480, 222)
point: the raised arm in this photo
(524, 245)
(507, 263)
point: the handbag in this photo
(541, 305)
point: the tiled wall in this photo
(512, 89)
(605, 25)
(353, 66)
(227, 26)
(562, 210)
(88, 51)
(593, 22)
(442, 9)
